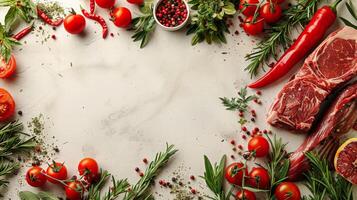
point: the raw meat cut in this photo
(337, 120)
(333, 63)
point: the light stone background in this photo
(118, 103)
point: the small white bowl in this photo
(171, 28)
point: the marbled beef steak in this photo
(333, 63)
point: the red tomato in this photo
(88, 167)
(7, 69)
(259, 146)
(248, 7)
(105, 3)
(234, 173)
(57, 171)
(259, 178)
(74, 23)
(245, 195)
(287, 191)
(137, 2)
(7, 105)
(74, 190)
(270, 12)
(35, 176)
(121, 17)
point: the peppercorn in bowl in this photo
(171, 15)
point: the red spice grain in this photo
(232, 156)
(137, 169)
(244, 128)
(244, 137)
(240, 147)
(53, 37)
(192, 177)
(141, 174)
(233, 142)
(258, 92)
(193, 191)
(145, 160)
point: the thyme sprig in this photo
(144, 25)
(324, 183)
(12, 142)
(209, 23)
(238, 103)
(279, 34)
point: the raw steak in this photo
(333, 63)
(337, 120)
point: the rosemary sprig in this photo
(12, 142)
(280, 34)
(118, 187)
(144, 25)
(214, 178)
(353, 13)
(240, 103)
(324, 183)
(140, 189)
(278, 164)
(209, 23)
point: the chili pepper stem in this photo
(334, 5)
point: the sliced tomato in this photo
(7, 105)
(7, 69)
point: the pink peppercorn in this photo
(171, 13)
(233, 142)
(244, 128)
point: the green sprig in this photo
(238, 103)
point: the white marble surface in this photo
(118, 103)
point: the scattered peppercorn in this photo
(233, 142)
(145, 160)
(192, 177)
(137, 169)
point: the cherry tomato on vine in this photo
(74, 23)
(253, 28)
(259, 178)
(259, 146)
(121, 17)
(234, 173)
(7, 105)
(74, 190)
(88, 168)
(137, 2)
(105, 3)
(248, 7)
(35, 176)
(57, 171)
(7, 69)
(287, 191)
(245, 195)
(270, 12)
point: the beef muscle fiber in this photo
(336, 121)
(333, 63)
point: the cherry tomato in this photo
(56, 171)
(259, 146)
(270, 12)
(248, 7)
(105, 3)
(137, 2)
(35, 176)
(88, 167)
(287, 191)
(259, 178)
(7, 69)
(234, 173)
(121, 17)
(245, 195)
(74, 190)
(74, 23)
(7, 105)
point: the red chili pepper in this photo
(308, 39)
(18, 36)
(92, 6)
(47, 19)
(98, 19)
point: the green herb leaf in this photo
(238, 103)
(27, 195)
